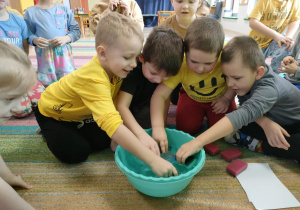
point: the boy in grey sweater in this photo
(290, 64)
(269, 108)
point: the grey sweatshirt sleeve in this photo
(254, 107)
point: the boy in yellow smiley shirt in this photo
(204, 91)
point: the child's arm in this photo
(74, 31)
(261, 28)
(10, 178)
(222, 128)
(124, 101)
(274, 133)
(9, 199)
(127, 140)
(26, 46)
(221, 104)
(157, 110)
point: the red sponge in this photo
(236, 167)
(231, 154)
(211, 149)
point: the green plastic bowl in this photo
(144, 180)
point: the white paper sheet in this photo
(264, 189)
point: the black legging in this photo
(69, 143)
(255, 131)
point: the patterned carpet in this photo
(99, 184)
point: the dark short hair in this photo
(248, 50)
(205, 34)
(164, 50)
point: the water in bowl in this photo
(146, 171)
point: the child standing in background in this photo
(204, 91)
(185, 13)
(77, 115)
(13, 30)
(204, 9)
(16, 77)
(161, 58)
(269, 111)
(53, 27)
(268, 20)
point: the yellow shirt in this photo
(86, 92)
(171, 22)
(203, 88)
(274, 14)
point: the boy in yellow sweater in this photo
(77, 115)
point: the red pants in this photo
(190, 114)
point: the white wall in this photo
(237, 25)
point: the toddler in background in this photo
(53, 27)
(13, 30)
(185, 13)
(16, 77)
(290, 64)
(203, 9)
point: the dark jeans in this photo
(255, 131)
(72, 142)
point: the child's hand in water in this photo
(149, 142)
(60, 40)
(160, 136)
(41, 42)
(187, 149)
(163, 168)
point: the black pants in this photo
(72, 142)
(175, 94)
(255, 131)
(141, 114)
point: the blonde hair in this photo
(15, 69)
(113, 26)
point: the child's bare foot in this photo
(17, 181)
(113, 145)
